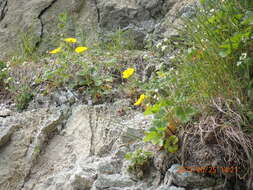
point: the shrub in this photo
(139, 162)
(3, 72)
(214, 61)
(118, 40)
(23, 98)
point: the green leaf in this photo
(173, 139)
(148, 110)
(154, 138)
(248, 18)
(224, 53)
(250, 115)
(172, 149)
(128, 156)
(171, 144)
(157, 107)
(184, 114)
(161, 129)
(98, 82)
(160, 123)
(152, 129)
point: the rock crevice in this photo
(3, 9)
(41, 22)
(97, 10)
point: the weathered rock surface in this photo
(23, 137)
(39, 19)
(188, 179)
(64, 147)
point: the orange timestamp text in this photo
(207, 169)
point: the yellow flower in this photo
(140, 100)
(57, 50)
(80, 49)
(70, 40)
(161, 74)
(127, 73)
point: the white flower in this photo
(8, 80)
(172, 57)
(145, 57)
(158, 45)
(243, 56)
(165, 40)
(238, 63)
(163, 48)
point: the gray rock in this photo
(82, 180)
(167, 187)
(5, 133)
(167, 28)
(4, 112)
(113, 181)
(63, 97)
(162, 160)
(109, 167)
(52, 149)
(38, 19)
(29, 131)
(188, 179)
(121, 152)
(131, 134)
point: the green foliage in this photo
(27, 46)
(139, 161)
(171, 144)
(23, 98)
(214, 60)
(139, 156)
(3, 73)
(96, 85)
(218, 37)
(63, 20)
(118, 40)
(184, 114)
(80, 71)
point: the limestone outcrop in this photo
(83, 147)
(37, 19)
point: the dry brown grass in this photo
(217, 139)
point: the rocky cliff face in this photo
(82, 147)
(39, 18)
(60, 144)
(79, 147)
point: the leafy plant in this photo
(139, 161)
(214, 60)
(171, 144)
(27, 46)
(118, 40)
(3, 72)
(23, 98)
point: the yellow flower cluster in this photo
(70, 40)
(79, 49)
(140, 100)
(127, 73)
(54, 51)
